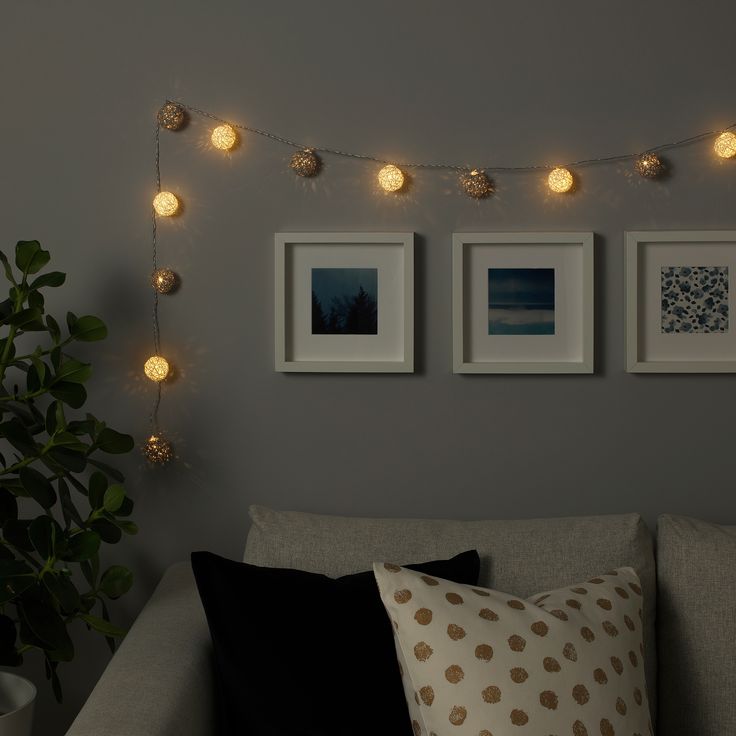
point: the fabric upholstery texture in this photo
(160, 681)
(697, 627)
(519, 556)
(295, 651)
(480, 662)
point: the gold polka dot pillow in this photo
(478, 662)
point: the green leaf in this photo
(16, 532)
(43, 532)
(16, 433)
(8, 505)
(72, 394)
(40, 367)
(14, 586)
(8, 269)
(104, 627)
(126, 507)
(24, 318)
(36, 301)
(38, 486)
(68, 441)
(30, 257)
(45, 624)
(88, 329)
(107, 530)
(33, 381)
(114, 497)
(69, 459)
(52, 278)
(114, 442)
(68, 509)
(97, 488)
(63, 590)
(71, 320)
(81, 546)
(72, 371)
(116, 581)
(53, 328)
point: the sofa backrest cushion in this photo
(697, 626)
(517, 557)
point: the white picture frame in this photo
(570, 349)
(298, 348)
(656, 341)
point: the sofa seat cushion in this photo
(696, 565)
(519, 557)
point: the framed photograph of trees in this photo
(344, 302)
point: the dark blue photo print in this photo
(344, 301)
(521, 301)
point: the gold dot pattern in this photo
(491, 694)
(539, 628)
(477, 662)
(426, 693)
(518, 675)
(455, 632)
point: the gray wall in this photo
(413, 80)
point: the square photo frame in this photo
(679, 285)
(344, 302)
(522, 302)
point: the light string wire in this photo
(156, 328)
(454, 167)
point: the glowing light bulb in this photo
(164, 280)
(166, 204)
(391, 178)
(560, 180)
(725, 145)
(156, 368)
(158, 450)
(224, 137)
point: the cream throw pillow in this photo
(478, 662)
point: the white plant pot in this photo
(17, 697)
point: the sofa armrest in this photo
(159, 683)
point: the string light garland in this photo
(560, 180)
(476, 184)
(649, 165)
(725, 144)
(306, 161)
(164, 280)
(224, 137)
(391, 178)
(166, 204)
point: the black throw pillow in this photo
(302, 654)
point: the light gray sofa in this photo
(160, 681)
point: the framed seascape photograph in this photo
(345, 302)
(678, 290)
(522, 302)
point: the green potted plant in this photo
(58, 501)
